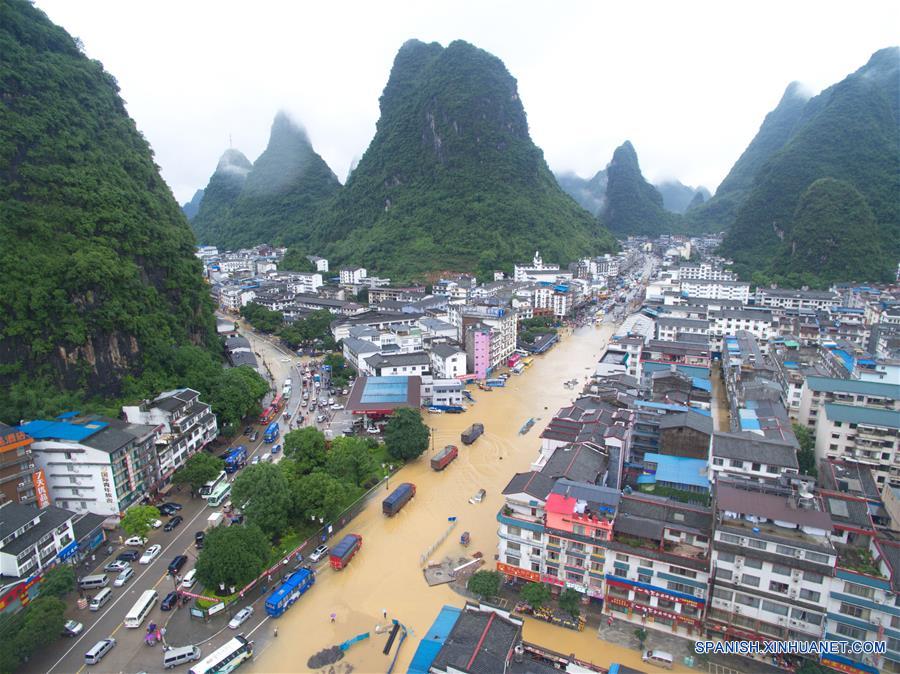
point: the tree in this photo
(484, 583)
(198, 470)
(232, 556)
(236, 393)
(535, 594)
(322, 496)
(262, 493)
(570, 602)
(58, 581)
(806, 455)
(406, 435)
(261, 318)
(41, 626)
(350, 460)
(137, 520)
(340, 373)
(306, 448)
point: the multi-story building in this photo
(817, 391)
(185, 425)
(750, 456)
(788, 298)
(501, 321)
(478, 350)
(33, 539)
(304, 282)
(96, 464)
(20, 480)
(537, 270)
(447, 360)
(657, 563)
(866, 435)
(320, 263)
(773, 563)
(704, 272)
(757, 322)
(669, 328)
(439, 392)
(352, 275)
(408, 364)
(717, 290)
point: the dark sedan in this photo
(169, 601)
(128, 556)
(172, 523)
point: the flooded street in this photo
(386, 574)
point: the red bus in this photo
(272, 410)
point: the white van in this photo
(101, 648)
(93, 582)
(189, 579)
(266, 458)
(100, 599)
(179, 656)
(658, 658)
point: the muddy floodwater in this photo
(386, 574)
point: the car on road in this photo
(176, 564)
(170, 508)
(345, 392)
(254, 436)
(136, 541)
(156, 524)
(172, 523)
(321, 418)
(128, 556)
(276, 449)
(199, 537)
(241, 617)
(319, 553)
(248, 430)
(254, 461)
(331, 401)
(168, 601)
(116, 566)
(72, 628)
(285, 360)
(123, 577)
(150, 554)
(373, 430)
(337, 406)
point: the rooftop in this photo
(533, 483)
(479, 643)
(867, 416)
(679, 469)
(768, 506)
(750, 446)
(384, 394)
(858, 386)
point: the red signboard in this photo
(518, 572)
(40, 488)
(14, 440)
(655, 593)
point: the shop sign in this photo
(67, 551)
(39, 479)
(107, 485)
(518, 572)
(216, 608)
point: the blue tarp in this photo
(62, 430)
(433, 640)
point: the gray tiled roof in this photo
(747, 446)
(51, 517)
(532, 483)
(693, 420)
(399, 360)
(444, 350)
(479, 643)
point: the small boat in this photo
(484, 387)
(526, 426)
(479, 496)
(464, 539)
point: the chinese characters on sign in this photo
(42, 494)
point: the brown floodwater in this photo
(386, 573)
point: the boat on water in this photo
(526, 426)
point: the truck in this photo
(343, 552)
(443, 458)
(214, 520)
(472, 433)
(398, 498)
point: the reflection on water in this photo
(386, 574)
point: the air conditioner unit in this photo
(782, 620)
(798, 554)
(738, 563)
(793, 594)
(737, 609)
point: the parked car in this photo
(165, 511)
(248, 430)
(136, 541)
(172, 505)
(373, 430)
(128, 556)
(337, 406)
(320, 418)
(72, 628)
(150, 554)
(254, 436)
(156, 524)
(116, 566)
(345, 392)
(123, 577)
(168, 602)
(199, 537)
(176, 564)
(276, 449)
(172, 523)
(241, 617)
(319, 553)
(331, 401)
(254, 460)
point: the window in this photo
(553, 540)
(806, 616)
(859, 590)
(778, 588)
(752, 581)
(718, 462)
(512, 561)
(730, 538)
(621, 558)
(726, 595)
(785, 550)
(753, 563)
(726, 557)
(756, 467)
(724, 574)
(536, 567)
(753, 543)
(810, 595)
(746, 600)
(772, 607)
(781, 569)
(645, 578)
(513, 530)
(854, 611)
(735, 463)
(515, 547)
(852, 632)
(811, 577)
(816, 557)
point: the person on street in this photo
(276, 632)
(384, 613)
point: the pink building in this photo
(478, 350)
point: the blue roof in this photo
(62, 430)
(385, 390)
(871, 416)
(433, 640)
(669, 407)
(872, 388)
(845, 357)
(701, 383)
(679, 469)
(68, 415)
(687, 370)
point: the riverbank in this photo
(386, 573)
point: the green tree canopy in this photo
(198, 470)
(261, 318)
(236, 394)
(320, 495)
(806, 455)
(58, 581)
(306, 448)
(350, 460)
(41, 626)
(570, 602)
(262, 493)
(232, 556)
(137, 520)
(536, 594)
(406, 435)
(484, 583)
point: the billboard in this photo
(41, 492)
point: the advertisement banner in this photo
(518, 572)
(39, 479)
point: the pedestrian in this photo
(333, 616)
(276, 632)
(384, 613)
(609, 622)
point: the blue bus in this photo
(235, 459)
(289, 591)
(272, 432)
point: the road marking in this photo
(123, 595)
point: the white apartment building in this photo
(304, 283)
(95, 464)
(352, 275)
(33, 539)
(724, 322)
(447, 360)
(750, 456)
(704, 272)
(787, 298)
(440, 392)
(867, 435)
(558, 298)
(774, 564)
(320, 263)
(817, 391)
(537, 268)
(185, 425)
(669, 327)
(716, 290)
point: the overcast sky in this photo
(687, 82)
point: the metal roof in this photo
(862, 415)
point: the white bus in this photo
(219, 495)
(225, 659)
(210, 486)
(141, 609)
